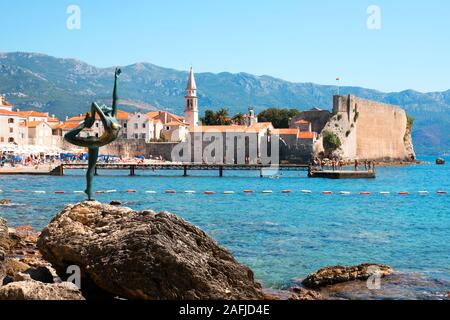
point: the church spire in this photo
(191, 107)
(191, 85)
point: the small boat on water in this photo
(440, 161)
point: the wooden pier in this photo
(185, 168)
(328, 174)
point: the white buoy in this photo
(228, 192)
(306, 191)
(78, 192)
(385, 192)
(423, 193)
(189, 192)
(267, 191)
(110, 191)
(345, 193)
(150, 192)
(40, 192)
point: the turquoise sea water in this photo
(280, 236)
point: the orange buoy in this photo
(327, 192)
(248, 191)
(100, 192)
(60, 192)
(403, 193)
(209, 192)
(365, 193)
(170, 191)
(131, 191)
(442, 192)
(18, 191)
(286, 191)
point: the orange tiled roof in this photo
(121, 115)
(174, 123)
(51, 119)
(32, 113)
(225, 129)
(34, 124)
(9, 113)
(306, 135)
(68, 126)
(4, 103)
(262, 125)
(302, 122)
(154, 114)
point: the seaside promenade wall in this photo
(139, 147)
(371, 130)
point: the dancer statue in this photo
(108, 116)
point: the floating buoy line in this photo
(230, 192)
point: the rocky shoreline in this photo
(114, 252)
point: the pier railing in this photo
(184, 167)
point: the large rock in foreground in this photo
(4, 246)
(339, 274)
(144, 255)
(34, 290)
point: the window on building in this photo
(144, 125)
(2, 139)
(136, 126)
(11, 130)
(96, 124)
(143, 136)
(11, 140)
(10, 120)
(96, 135)
(124, 124)
(136, 136)
(167, 128)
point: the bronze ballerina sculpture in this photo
(108, 117)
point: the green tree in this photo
(222, 117)
(212, 118)
(331, 142)
(280, 118)
(238, 118)
(209, 118)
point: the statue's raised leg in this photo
(93, 157)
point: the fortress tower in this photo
(191, 110)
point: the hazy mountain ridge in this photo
(68, 86)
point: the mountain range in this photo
(68, 86)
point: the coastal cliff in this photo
(363, 129)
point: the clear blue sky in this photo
(300, 41)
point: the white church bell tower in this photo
(191, 111)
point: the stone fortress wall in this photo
(370, 130)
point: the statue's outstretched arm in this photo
(116, 92)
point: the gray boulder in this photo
(33, 290)
(4, 245)
(143, 255)
(339, 274)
